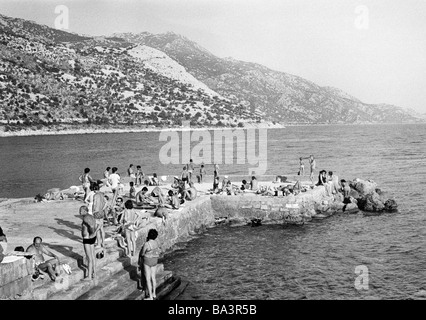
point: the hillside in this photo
(276, 95)
(50, 77)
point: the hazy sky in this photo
(373, 50)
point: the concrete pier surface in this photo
(59, 224)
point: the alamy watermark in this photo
(216, 147)
(62, 20)
(361, 281)
(362, 20)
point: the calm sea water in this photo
(317, 260)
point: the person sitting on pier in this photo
(254, 184)
(41, 265)
(191, 193)
(322, 179)
(116, 211)
(173, 201)
(154, 180)
(156, 193)
(334, 182)
(245, 185)
(143, 200)
(225, 182)
(231, 190)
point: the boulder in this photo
(371, 203)
(363, 187)
(391, 205)
(370, 198)
(351, 208)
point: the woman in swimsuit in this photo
(130, 220)
(148, 256)
(89, 228)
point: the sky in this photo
(373, 50)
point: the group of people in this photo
(123, 211)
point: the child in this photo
(132, 191)
(202, 173)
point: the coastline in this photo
(75, 129)
(94, 130)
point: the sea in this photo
(342, 257)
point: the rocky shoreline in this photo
(75, 129)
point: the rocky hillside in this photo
(49, 77)
(276, 95)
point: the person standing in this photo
(139, 175)
(148, 259)
(191, 168)
(106, 176)
(86, 180)
(114, 180)
(89, 230)
(202, 173)
(131, 172)
(184, 175)
(129, 220)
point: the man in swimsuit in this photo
(346, 192)
(41, 265)
(89, 230)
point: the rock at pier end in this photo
(371, 199)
